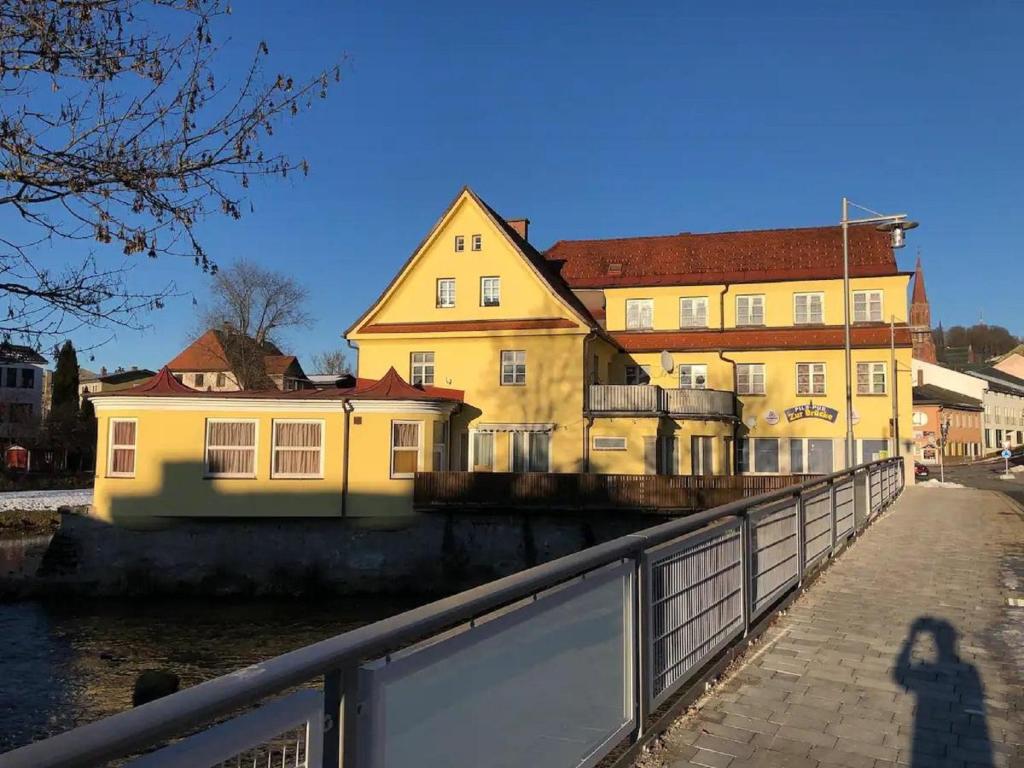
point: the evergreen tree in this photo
(86, 435)
(64, 397)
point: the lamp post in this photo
(896, 225)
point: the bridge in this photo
(845, 621)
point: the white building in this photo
(1004, 407)
(21, 392)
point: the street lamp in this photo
(896, 225)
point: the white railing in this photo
(556, 666)
(652, 399)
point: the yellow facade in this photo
(523, 351)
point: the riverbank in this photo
(28, 522)
(426, 554)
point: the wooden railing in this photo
(654, 400)
(568, 491)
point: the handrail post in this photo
(349, 717)
(641, 635)
(801, 535)
(832, 514)
(746, 569)
(331, 751)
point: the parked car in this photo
(920, 471)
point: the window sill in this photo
(403, 477)
(296, 477)
(872, 394)
(112, 476)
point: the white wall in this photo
(930, 373)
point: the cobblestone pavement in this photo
(905, 652)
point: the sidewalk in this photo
(904, 652)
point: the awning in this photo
(512, 427)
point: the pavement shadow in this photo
(950, 708)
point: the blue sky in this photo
(612, 119)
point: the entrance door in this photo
(701, 455)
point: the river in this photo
(66, 663)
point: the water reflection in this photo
(66, 663)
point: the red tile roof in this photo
(277, 365)
(204, 354)
(920, 296)
(758, 338)
(391, 386)
(471, 325)
(719, 257)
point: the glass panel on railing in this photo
(547, 683)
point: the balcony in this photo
(649, 399)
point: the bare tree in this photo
(114, 130)
(255, 302)
(334, 362)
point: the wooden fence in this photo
(566, 491)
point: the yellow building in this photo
(686, 354)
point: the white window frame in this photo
(476, 242)
(392, 448)
(471, 450)
(696, 302)
(111, 446)
(753, 300)
(871, 377)
(612, 443)
(809, 319)
(750, 379)
(423, 366)
(460, 243)
(255, 450)
(512, 437)
(693, 375)
(445, 299)
(868, 293)
(637, 370)
(501, 362)
(811, 374)
(490, 286)
(274, 448)
(640, 303)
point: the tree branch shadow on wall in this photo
(949, 716)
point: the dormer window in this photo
(478, 241)
(460, 243)
(615, 268)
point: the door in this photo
(701, 457)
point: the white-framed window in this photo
(750, 309)
(810, 378)
(446, 292)
(693, 312)
(765, 454)
(406, 444)
(808, 308)
(297, 448)
(121, 453)
(702, 459)
(483, 452)
(871, 378)
(609, 443)
(490, 291)
(477, 242)
(750, 378)
(530, 452)
(639, 314)
(867, 307)
(230, 448)
(421, 368)
(693, 376)
(638, 374)
(460, 243)
(513, 367)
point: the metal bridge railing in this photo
(554, 666)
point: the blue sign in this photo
(1006, 453)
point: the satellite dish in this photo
(667, 362)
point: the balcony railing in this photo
(654, 400)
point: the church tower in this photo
(921, 319)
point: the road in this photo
(986, 477)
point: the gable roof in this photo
(1000, 381)
(533, 258)
(929, 394)
(1018, 350)
(720, 257)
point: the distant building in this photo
(1004, 407)
(21, 392)
(921, 319)
(104, 381)
(1011, 362)
(215, 362)
(935, 406)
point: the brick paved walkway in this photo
(837, 682)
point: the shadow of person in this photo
(950, 709)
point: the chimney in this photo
(521, 226)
